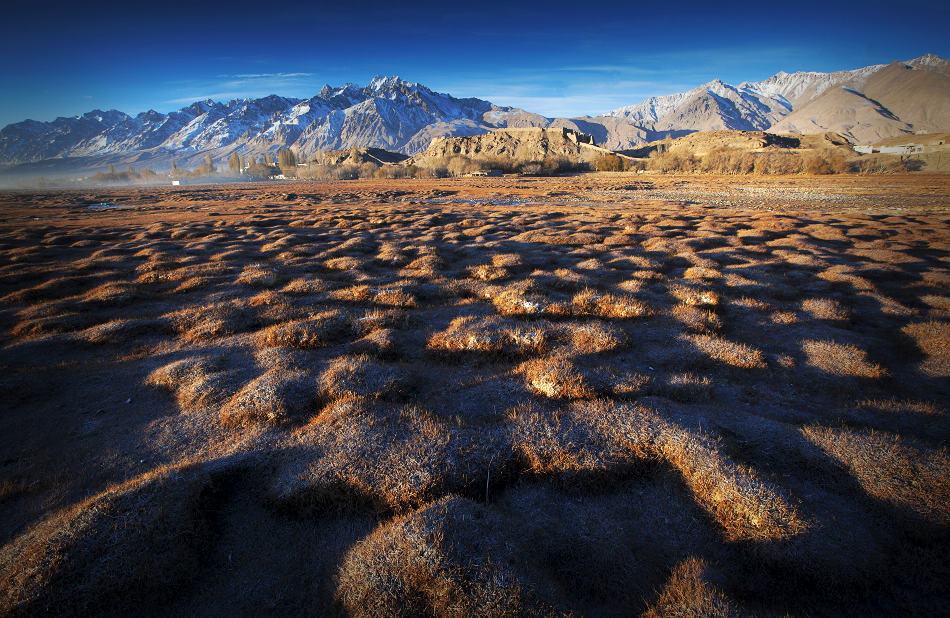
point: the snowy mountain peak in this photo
(388, 113)
(750, 105)
(395, 114)
(927, 60)
(380, 82)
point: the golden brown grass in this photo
(910, 476)
(825, 309)
(743, 505)
(275, 397)
(440, 561)
(611, 402)
(696, 319)
(197, 382)
(361, 376)
(491, 335)
(122, 547)
(689, 594)
(557, 377)
(695, 297)
(841, 359)
(258, 275)
(732, 353)
(614, 306)
(313, 332)
(933, 339)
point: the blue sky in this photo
(554, 58)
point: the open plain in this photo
(605, 394)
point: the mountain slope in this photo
(749, 106)
(865, 104)
(899, 98)
(389, 113)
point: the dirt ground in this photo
(607, 394)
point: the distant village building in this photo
(908, 149)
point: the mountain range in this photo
(864, 105)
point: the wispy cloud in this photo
(567, 105)
(607, 68)
(215, 96)
(258, 76)
(229, 86)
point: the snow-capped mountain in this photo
(750, 106)
(863, 104)
(388, 113)
(855, 103)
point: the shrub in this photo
(826, 162)
(608, 163)
(777, 163)
(672, 162)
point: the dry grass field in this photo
(601, 395)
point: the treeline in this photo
(445, 167)
(778, 162)
(727, 161)
(357, 165)
(129, 176)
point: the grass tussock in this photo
(696, 319)
(381, 343)
(516, 303)
(825, 309)
(745, 507)
(611, 306)
(593, 337)
(912, 477)
(317, 331)
(492, 335)
(695, 297)
(732, 353)
(447, 559)
(382, 456)
(489, 272)
(558, 377)
(687, 387)
(275, 397)
(215, 320)
(360, 376)
(933, 339)
(197, 382)
(302, 286)
(258, 275)
(841, 359)
(689, 593)
(552, 444)
(128, 545)
(125, 331)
